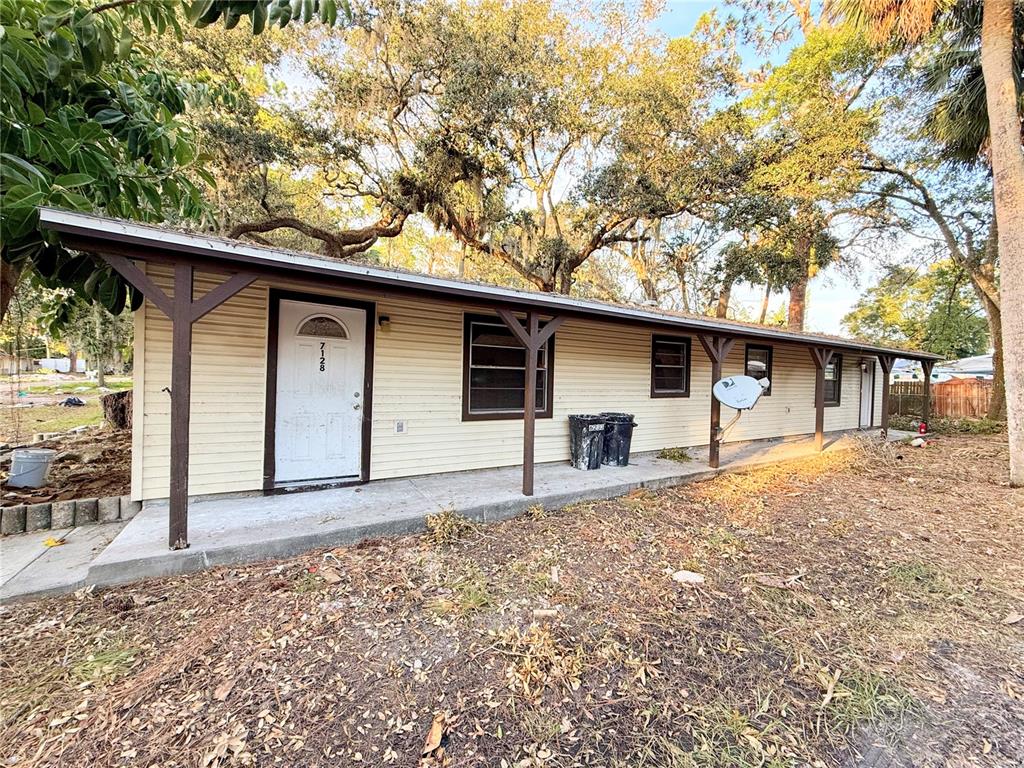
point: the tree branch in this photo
(928, 204)
(336, 244)
(111, 5)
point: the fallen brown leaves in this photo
(854, 604)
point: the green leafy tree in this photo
(948, 66)
(21, 331)
(936, 311)
(90, 328)
(948, 138)
(814, 133)
(91, 120)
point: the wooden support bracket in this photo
(886, 362)
(821, 357)
(717, 349)
(532, 336)
(183, 312)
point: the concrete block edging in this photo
(22, 518)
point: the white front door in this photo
(867, 395)
(320, 362)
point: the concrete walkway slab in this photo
(496, 494)
(19, 551)
(55, 570)
(231, 530)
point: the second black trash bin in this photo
(586, 441)
(618, 434)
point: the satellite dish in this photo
(740, 392)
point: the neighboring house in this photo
(11, 364)
(976, 367)
(61, 364)
(906, 370)
(285, 369)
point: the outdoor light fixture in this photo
(383, 321)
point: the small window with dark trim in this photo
(834, 380)
(670, 366)
(494, 372)
(758, 364)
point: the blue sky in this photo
(680, 15)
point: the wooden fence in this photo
(956, 399)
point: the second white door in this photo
(867, 395)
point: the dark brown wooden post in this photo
(926, 395)
(886, 362)
(530, 403)
(532, 337)
(183, 312)
(717, 349)
(181, 401)
(821, 356)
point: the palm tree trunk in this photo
(1008, 181)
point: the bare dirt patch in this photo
(855, 609)
(90, 464)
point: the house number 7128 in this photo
(323, 360)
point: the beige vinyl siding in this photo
(789, 409)
(228, 393)
(847, 413)
(418, 379)
(139, 397)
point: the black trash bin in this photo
(618, 434)
(586, 441)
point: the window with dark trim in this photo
(494, 372)
(670, 366)
(834, 380)
(758, 364)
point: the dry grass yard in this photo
(859, 609)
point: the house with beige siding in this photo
(261, 370)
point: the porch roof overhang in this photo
(100, 234)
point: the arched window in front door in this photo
(322, 327)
